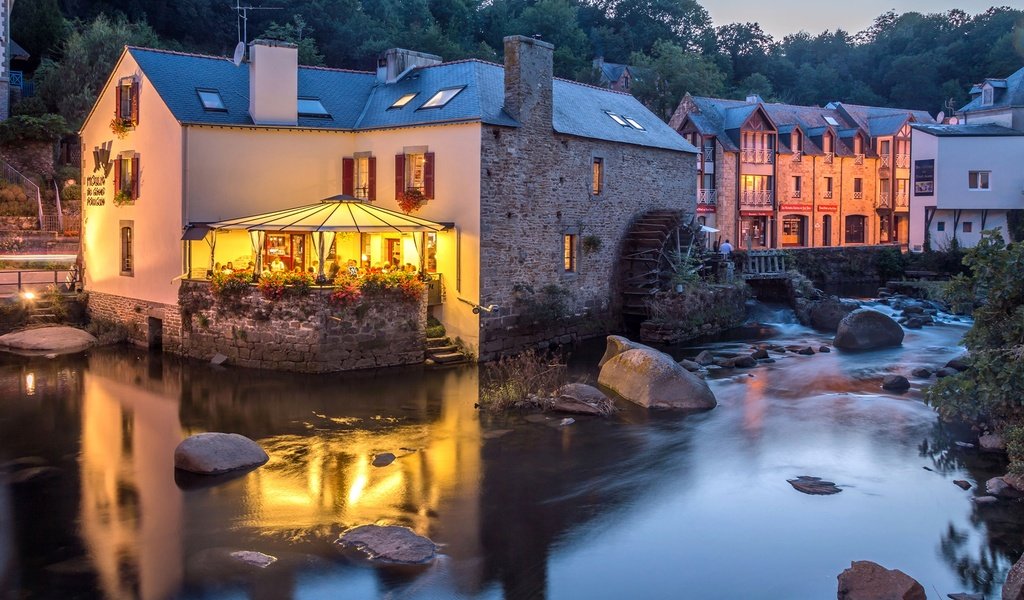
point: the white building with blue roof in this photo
(518, 166)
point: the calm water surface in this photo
(642, 505)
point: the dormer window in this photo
(442, 97)
(858, 145)
(312, 107)
(211, 100)
(987, 95)
(795, 141)
(405, 99)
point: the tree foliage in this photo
(991, 392)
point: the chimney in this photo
(273, 82)
(394, 63)
(529, 68)
(754, 98)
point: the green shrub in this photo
(15, 202)
(436, 331)
(13, 314)
(24, 128)
(70, 196)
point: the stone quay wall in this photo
(302, 334)
(30, 157)
(135, 315)
(702, 310)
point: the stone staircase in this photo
(41, 312)
(442, 351)
(643, 258)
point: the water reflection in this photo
(643, 504)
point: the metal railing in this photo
(17, 79)
(858, 195)
(798, 156)
(756, 199)
(60, 210)
(827, 195)
(708, 197)
(709, 154)
(760, 156)
(858, 159)
(829, 157)
(38, 280)
(795, 194)
(11, 175)
(902, 161)
(883, 160)
(882, 201)
(902, 200)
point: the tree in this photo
(669, 73)
(39, 27)
(70, 86)
(300, 34)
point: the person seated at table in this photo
(228, 268)
(277, 265)
(217, 267)
(352, 268)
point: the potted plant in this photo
(123, 197)
(120, 127)
(411, 199)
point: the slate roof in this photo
(967, 130)
(612, 72)
(19, 53)
(880, 121)
(1012, 95)
(357, 101)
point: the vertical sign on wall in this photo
(924, 177)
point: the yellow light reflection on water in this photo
(30, 384)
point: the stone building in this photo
(778, 175)
(530, 182)
(967, 173)
(614, 76)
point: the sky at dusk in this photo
(782, 17)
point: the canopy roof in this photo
(337, 213)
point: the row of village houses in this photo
(488, 179)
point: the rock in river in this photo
(1013, 589)
(865, 580)
(652, 379)
(921, 372)
(827, 314)
(616, 345)
(814, 486)
(866, 329)
(992, 442)
(580, 399)
(383, 459)
(390, 543)
(895, 383)
(60, 339)
(213, 453)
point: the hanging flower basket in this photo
(411, 200)
(123, 197)
(120, 127)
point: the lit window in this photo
(401, 102)
(211, 100)
(617, 119)
(442, 97)
(312, 107)
(415, 171)
(127, 248)
(127, 109)
(362, 177)
(978, 180)
(968, 226)
(634, 124)
(569, 252)
(598, 176)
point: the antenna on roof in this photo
(242, 22)
(239, 54)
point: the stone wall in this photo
(302, 334)
(30, 158)
(827, 266)
(536, 188)
(135, 315)
(700, 311)
(19, 223)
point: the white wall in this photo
(1003, 156)
(157, 212)
(994, 219)
(923, 146)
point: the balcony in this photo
(858, 195)
(756, 200)
(902, 200)
(858, 159)
(829, 157)
(757, 156)
(882, 201)
(798, 156)
(795, 194)
(709, 154)
(884, 160)
(902, 161)
(707, 197)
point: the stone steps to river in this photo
(441, 351)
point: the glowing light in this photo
(30, 384)
(28, 295)
(358, 485)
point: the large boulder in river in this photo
(865, 580)
(616, 345)
(214, 453)
(652, 379)
(826, 314)
(390, 543)
(866, 329)
(580, 399)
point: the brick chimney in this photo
(529, 68)
(396, 62)
(273, 82)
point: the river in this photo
(641, 505)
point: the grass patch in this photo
(521, 381)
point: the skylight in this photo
(625, 121)
(211, 100)
(831, 121)
(617, 119)
(312, 107)
(634, 124)
(442, 97)
(401, 102)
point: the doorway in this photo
(826, 230)
(794, 230)
(154, 333)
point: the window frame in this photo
(597, 176)
(408, 99)
(313, 115)
(940, 226)
(458, 90)
(617, 118)
(988, 95)
(215, 92)
(126, 109)
(979, 176)
(570, 253)
(968, 227)
(126, 256)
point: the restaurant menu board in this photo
(924, 177)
